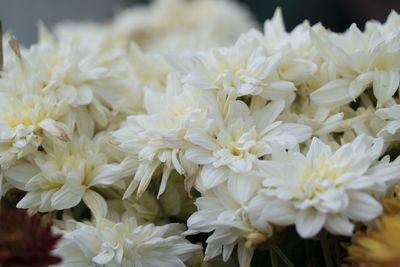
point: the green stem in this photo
(281, 255)
(325, 249)
(274, 259)
(337, 252)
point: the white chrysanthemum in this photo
(95, 85)
(325, 189)
(300, 58)
(181, 23)
(126, 244)
(322, 120)
(61, 177)
(157, 138)
(23, 122)
(391, 26)
(150, 68)
(362, 60)
(218, 211)
(244, 69)
(232, 150)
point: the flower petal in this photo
(309, 222)
(96, 203)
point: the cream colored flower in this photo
(125, 243)
(324, 188)
(24, 123)
(232, 150)
(362, 60)
(181, 23)
(64, 175)
(219, 211)
(158, 138)
(243, 69)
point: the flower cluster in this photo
(184, 118)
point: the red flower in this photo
(25, 241)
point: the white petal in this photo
(201, 138)
(20, 174)
(245, 255)
(339, 225)
(104, 257)
(96, 203)
(331, 124)
(212, 176)
(84, 96)
(309, 222)
(30, 200)
(66, 197)
(105, 175)
(392, 128)
(318, 151)
(84, 123)
(56, 129)
(278, 212)
(146, 178)
(363, 207)
(242, 187)
(164, 180)
(237, 109)
(198, 81)
(6, 133)
(212, 251)
(143, 172)
(224, 236)
(334, 93)
(227, 251)
(389, 113)
(359, 84)
(279, 90)
(267, 115)
(299, 131)
(199, 155)
(293, 69)
(385, 85)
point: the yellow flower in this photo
(380, 247)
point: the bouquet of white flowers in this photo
(181, 125)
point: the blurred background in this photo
(21, 16)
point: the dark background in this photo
(21, 16)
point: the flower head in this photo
(25, 240)
(65, 175)
(325, 188)
(125, 243)
(379, 247)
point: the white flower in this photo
(24, 121)
(157, 138)
(325, 189)
(63, 176)
(233, 148)
(300, 59)
(218, 211)
(94, 85)
(244, 69)
(126, 244)
(321, 119)
(180, 23)
(362, 60)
